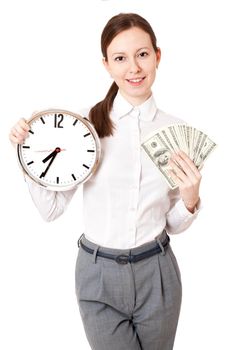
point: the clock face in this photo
(61, 151)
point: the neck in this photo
(136, 101)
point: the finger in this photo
(19, 134)
(23, 124)
(21, 128)
(18, 129)
(182, 175)
(190, 163)
(15, 140)
(186, 165)
(175, 178)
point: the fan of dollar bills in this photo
(163, 142)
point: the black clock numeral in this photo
(26, 147)
(87, 134)
(42, 119)
(90, 150)
(31, 132)
(75, 122)
(58, 120)
(57, 179)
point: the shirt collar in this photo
(122, 108)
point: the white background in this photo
(50, 57)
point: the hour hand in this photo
(52, 154)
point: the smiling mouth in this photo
(136, 80)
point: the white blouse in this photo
(127, 202)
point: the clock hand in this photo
(52, 154)
(48, 150)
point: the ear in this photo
(158, 57)
(106, 65)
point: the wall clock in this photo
(62, 150)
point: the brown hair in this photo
(99, 114)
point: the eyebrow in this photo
(123, 53)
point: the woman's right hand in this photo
(19, 132)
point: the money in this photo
(163, 142)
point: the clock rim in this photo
(88, 124)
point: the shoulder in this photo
(163, 118)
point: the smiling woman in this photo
(131, 56)
(132, 62)
(128, 283)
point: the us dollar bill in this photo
(160, 154)
(160, 145)
(205, 151)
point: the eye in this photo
(143, 54)
(119, 58)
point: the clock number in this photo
(58, 122)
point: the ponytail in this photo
(99, 114)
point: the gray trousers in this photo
(134, 306)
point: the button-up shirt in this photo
(127, 202)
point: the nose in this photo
(134, 66)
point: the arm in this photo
(50, 204)
(179, 218)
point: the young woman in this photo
(128, 283)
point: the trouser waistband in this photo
(124, 256)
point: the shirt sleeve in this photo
(50, 204)
(178, 218)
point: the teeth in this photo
(135, 80)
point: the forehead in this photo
(130, 40)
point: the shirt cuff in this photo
(184, 212)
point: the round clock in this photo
(62, 150)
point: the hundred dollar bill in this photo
(188, 138)
(182, 137)
(167, 140)
(160, 153)
(197, 144)
(174, 136)
(205, 151)
(201, 145)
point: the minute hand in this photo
(50, 163)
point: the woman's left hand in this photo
(187, 177)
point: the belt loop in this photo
(95, 254)
(161, 246)
(79, 240)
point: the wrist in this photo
(192, 207)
